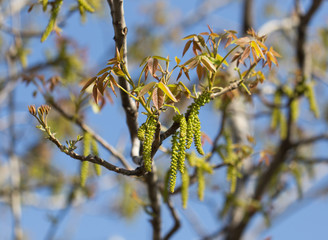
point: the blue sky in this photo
(85, 221)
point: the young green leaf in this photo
(145, 89)
(220, 58)
(161, 58)
(177, 60)
(118, 72)
(208, 64)
(257, 49)
(167, 91)
(189, 37)
(104, 70)
(186, 89)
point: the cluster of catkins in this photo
(89, 146)
(182, 139)
(189, 132)
(146, 134)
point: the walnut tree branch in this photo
(88, 129)
(232, 86)
(95, 159)
(176, 219)
(129, 106)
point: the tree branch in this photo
(248, 15)
(302, 35)
(176, 219)
(7, 84)
(309, 140)
(86, 128)
(129, 106)
(234, 85)
(95, 159)
(154, 197)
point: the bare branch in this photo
(309, 140)
(248, 15)
(129, 106)
(302, 35)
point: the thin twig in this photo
(309, 140)
(10, 81)
(176, 219)
(53, 229)
(232, 86)
(95, 159)
(88, 129)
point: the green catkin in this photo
(86, 5)
(198, 136)
(166, 185)
(283, 126)
(44, 5)
(232, 175)
(229, 147)
(294, 108)
(193, 110)
(142, 132)
(232, 170)
(84, 170)
(52, 20)
(151, 125)
(184, 187)
(276, 111)
(94, 149)
(190, 129)
(174, 161)
(309, 93)
(182, 143)
(201, 183)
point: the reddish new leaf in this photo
(102, 78)
(200, 72)
(146, 89)
(104, 70)
(88, 83)
(186, 47)
(245, 55)
(95, 93)
(208, 64)
(180, 74)
(112, 83)
(158, 98)
(186, 72)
